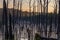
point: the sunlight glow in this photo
(25, 6)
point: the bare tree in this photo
(45, 11)
(50, 28)
(46, 8)
(17, 21)
(13, 12)
(38, 6)
(11, 36)
(18, 11)
(5, 19)
(55, 15)
(13, 16)
(34, 8)
(44, 18)
(59, 6)
(40, 17)
(41, 5)
(21, 1)
(44, 5)
(55, 7)
(58, 30)
(28, 30)
(30, 7)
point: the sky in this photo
(25, 5)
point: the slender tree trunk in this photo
(13, 12)
(34, 10)
(55, 16)
(21, 8)
(59, 6)
(34, 7)
(29, 18)
(41, 19)
(44, 6)
(29, 5)
(58, 31)
(10, 29)
(28, 33)
(5, 19)
(20, 15)
(46, 17)
(46, 12)
(41, 5)
(13, 18)
(50, 28)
